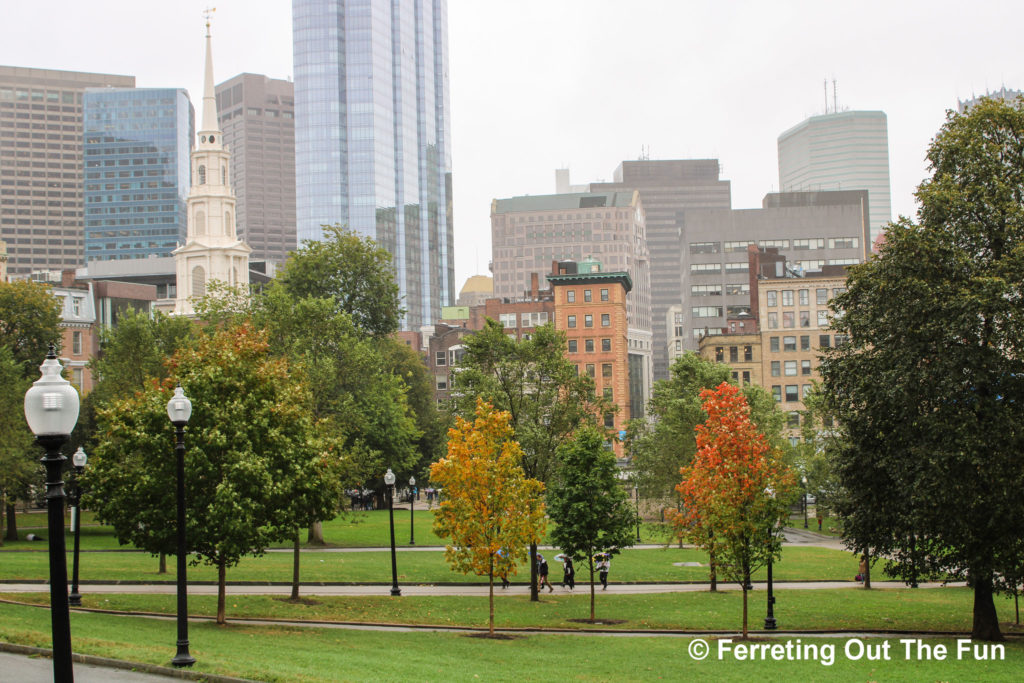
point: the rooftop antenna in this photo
(835, 98)
(825, 83)
(207, 13)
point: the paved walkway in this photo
(35, 669)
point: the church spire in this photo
(209, 123)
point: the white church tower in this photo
(212, 249)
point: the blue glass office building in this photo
(136, 150)
(372, 135)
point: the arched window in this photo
(228, 227)
(202, 174)
(200, 222)
(198, 281)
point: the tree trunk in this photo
(295, 566)
(590, 563)
(163, 564)
(316, 534)
(490, 596)
(746, 582)
(714, 571)
(3, 506)
(12, 524)
(986, 622)
(534, 593)
(222, 585)
(867, 570)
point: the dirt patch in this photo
(598, 622)
(301, 601)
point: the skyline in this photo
(536, 86)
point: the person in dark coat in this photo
(569, 575)
(542, 569)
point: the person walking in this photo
(604, 565)
(569, 573)
(542, 569)
(503, 575)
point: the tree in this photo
(353, 271)
(547, 399)
(251, 452)
(592, 509)
(737, 488)
(930, 387)
(491, 509)
(29, 323)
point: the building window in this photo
(586, 295)
(76, 305)
(792, 392)
(790, 368)
(604, 295)
(823, 318)
(609, 420)
(705, 290)
(78, 378)
(805, 389)
(773, 321)
(442, 383)
(787, 297)
(202, 174)
(76, 343)
(823, 341)
(606, 370)
(789, 343)
(606, 320)
(573, 346)
(704, 247)
(606, 344)
(777, 393)
(805, 297)
(739, 267)
(773, 344)
(818, 243)
(748, 353)
(441, 358)
(776, 368)
(793, 419)
(737, 289)
(198, 282)
(788, 319)
(588, 345)
(508, 319)
(705, 268)
(570, 296)
(746, 377)
(821, 296)
(679, 345)
(843, 243)
(805, 318)
(805, 367)
(734, 354)
(840, 340)
(588, 320)
(608, 393)
(771, 298)
(571, 321)
(719, 354)
(591, 370)
(706, 312)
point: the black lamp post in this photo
(51, 410)
(636, 494)
(179, 410)
(412, 504)
(75, 497)
(769, 620)
(389, 481)
(804, 482)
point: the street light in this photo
(769, 620)
(389, 481)
(179, 410)
(636, 494)
(51, 410)
(74, 498)
(412, 504)
(803, 481)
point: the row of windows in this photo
(821, 296)
(731, 289)
(789, 319)
(531, 319)
(711, 268)
(789, 368)
(741, 245)
(734, 353)
(588, 320)
(588, 345)
(570, 295)
(793, 392)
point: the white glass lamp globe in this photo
(51, 403)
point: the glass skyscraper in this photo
(372, 136)
(136, 151)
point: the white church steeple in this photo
(212, 250)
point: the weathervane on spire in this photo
(207, 13)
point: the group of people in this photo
(602, 563)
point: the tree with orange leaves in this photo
(737, 490)
(491, 511)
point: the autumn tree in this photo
(930, 387)
(251, 452)
(491, 510)
(737, 488)
(592, 508)
(531, 379)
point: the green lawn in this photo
(799, 563)
(301, 654)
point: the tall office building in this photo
(1008, 95)
(257, 115)
(136, 158)
(667, 188)
(41, 173)
(372, 136)
(847, 150)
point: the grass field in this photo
(799, 563)
(322, 654)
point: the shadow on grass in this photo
(494, 636)
(598, 622)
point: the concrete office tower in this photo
(1008, 95)
(41, 174)
(667, 188)
(847, 150)
(372, 136)
(810, 229)
(529, 233)
(137, 144)
(212, 250)
(257, 115)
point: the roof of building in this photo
(478, 283)
(563, 202)
(585, 278)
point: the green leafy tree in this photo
(591, 508)
(491, 509)
(17, 466)
(250, 443)
(353, 271)
(534, 381)
(930, 387)
(29, 322)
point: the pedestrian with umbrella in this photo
(603, 564)
(568, 571)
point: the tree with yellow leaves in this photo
(491, 511)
